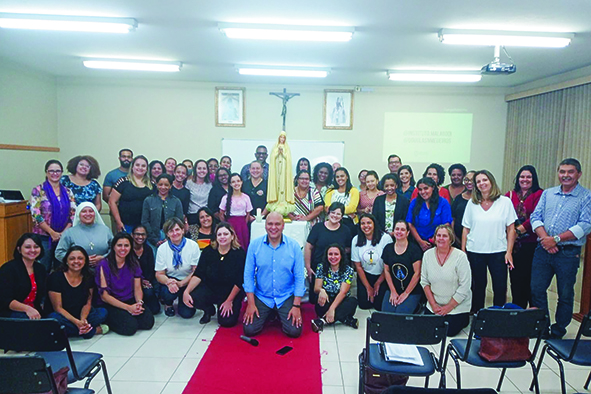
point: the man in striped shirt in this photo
(562, 220)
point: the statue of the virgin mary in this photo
(280, 181)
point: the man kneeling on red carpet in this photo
(274, 280)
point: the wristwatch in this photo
(557, 239)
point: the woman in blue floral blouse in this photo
(82, 181)
(333, 282)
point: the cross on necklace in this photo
(285, 97)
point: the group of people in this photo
(183, 235)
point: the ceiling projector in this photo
(498, 68)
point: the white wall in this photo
(28, 116)
(161, 119)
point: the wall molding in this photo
(550, 88)
(29, 147)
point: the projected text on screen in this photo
(428, 137)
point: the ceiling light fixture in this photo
(505, 38)
(432, 76)
(311, 72)
(67, 23)
(253, 31)
(133, 65)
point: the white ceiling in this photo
(389, 34)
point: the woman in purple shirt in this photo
(119, 280)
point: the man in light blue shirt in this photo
(274, 280)
(562, 220)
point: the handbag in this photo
(376, 382)
(504, 349)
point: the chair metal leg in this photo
(531, 386)
(535, 374)
(562, 377)
(442, 382)
(586, 386)
(501, 379)
(106, 376)
(361, 373)
(458, 377)
(426, 382)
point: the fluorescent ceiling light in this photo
(431, 76)
(253, 31)
(284, 71)
(504, 38)
(67, 23)
(134, 65)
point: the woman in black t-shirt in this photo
(70, 292)
(218, 279)
(332, 231)
(126, 200)
(145, 256)
(402, 269)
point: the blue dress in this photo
(82, 194)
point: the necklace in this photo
(222, 256)
(444, 259)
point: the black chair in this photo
(403, 329)
(48, 339)
(29, 374)
(574, 351)
(420, 390)
(499, 323)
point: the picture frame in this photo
(337, 113)
(229, 107)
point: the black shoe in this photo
(206, 318)
(317, 325)
(351, 322)
(169, 311)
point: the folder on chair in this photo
(401, 353)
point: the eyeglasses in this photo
(55, 171)
(304, 179)
(84, 165)
(468, 180)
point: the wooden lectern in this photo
(15, 220)
(586, 288)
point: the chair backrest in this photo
(25, 374)
(407, 329)
(510, 323)
(43, 335)
(584, 331)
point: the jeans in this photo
(168, 299)
(498, 272)
(409, 306)
(151, 298)
(96, 317)
(364, 303)
(48, 260)
(564, 264)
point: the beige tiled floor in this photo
(163, 360)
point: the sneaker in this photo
(317, 325)
(206, 318)
(351, 322)
(104, 329)
(169, 311)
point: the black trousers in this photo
(364, 303)
(204, 298)
(265, 313)
(346, 308)
(124, 323)
(498, 272)
(521, 274)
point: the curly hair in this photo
(95, 169)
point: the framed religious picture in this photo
(338, 109)
(229, 107)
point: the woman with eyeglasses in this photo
(145, 256)
(308, 202)
(53, 207)
(82, 181)
(458, 207)
(321, 236)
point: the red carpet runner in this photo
(232, 366)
